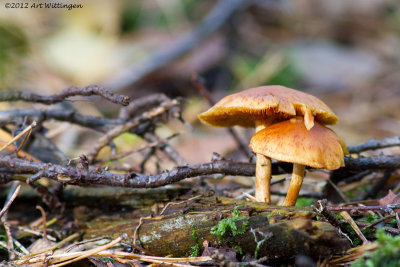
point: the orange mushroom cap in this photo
(290, 141)
(267, 102)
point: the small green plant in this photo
(229, 224)
(195, 249)
(387, 255)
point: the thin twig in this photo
(353, 225)
(386, 228)
(89, 252)
(135, 233)
(68, 92)
(119, 254)
(11, 196)
(67, 115)
(70, 247)
(377, 222)
(10, 201)
(43, 221)
(18, 136)
(179, 203)
(375, 144)
(25, 140)
(360, 208)
(53, 248)
(339, 191)
(36, 233)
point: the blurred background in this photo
(345, 52)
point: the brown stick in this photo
(68, 92)
(11, 165)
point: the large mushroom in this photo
(260, 107)
(290, 141)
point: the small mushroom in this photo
(260, 107)
(290, 141)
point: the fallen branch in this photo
(68, 92)
(375, 144)
(67, 115)
(78, 176)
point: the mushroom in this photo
(260, 107)
(290, 141)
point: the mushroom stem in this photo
(295, 185)
(263, 173)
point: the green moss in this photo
(195, 249)
(230, 224)
(387, 255)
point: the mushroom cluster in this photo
(262, 107)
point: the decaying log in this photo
(280, 233)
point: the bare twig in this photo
(353, 225)
(18, 136)
(10, 201)
(14, 189)
(179, 203)
(142, 104)
(11, 165)
(43, 221)
(68, 92)
(114, 254)
(68, 260)
(218, 15)
(360, 208)
(135, 233)
(338, 191)
(378, 222)
(375, 144)
(95, 123)
(386, 228)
